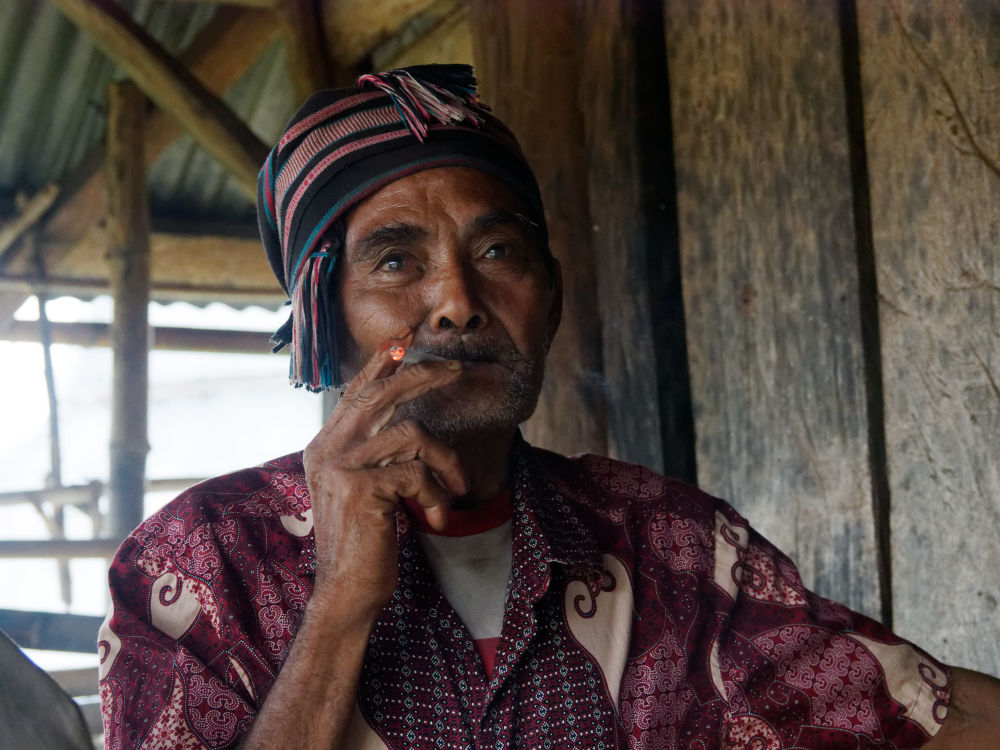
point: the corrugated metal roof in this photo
(53, 85)
(187, 182)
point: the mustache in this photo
(474, 350)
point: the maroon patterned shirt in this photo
(641, 613)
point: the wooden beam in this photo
(623, 95)
(69, 495)
(439, 34)
(305, 48)
(15, 227)
(90, 287)
(50, 631)
(220, 54)
(195, 260)
(248, 3)
(58, 549)
(86, 493)
(354, 28)
(164, 337)
(211, 123)
(128, 256)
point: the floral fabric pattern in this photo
(640, 613)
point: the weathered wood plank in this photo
(175, 90)
(128, 256)
(770, 280)
(77, 682)
(527, 63)
(625, 103)
(929, 71)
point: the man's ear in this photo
(555, 311)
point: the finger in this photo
(380, 364)
(408, 441)
(378, 400)
(411, 480)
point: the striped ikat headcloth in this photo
(344, 145)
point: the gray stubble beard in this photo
(508, 410)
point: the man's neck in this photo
(486, 460)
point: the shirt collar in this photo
(545, 529)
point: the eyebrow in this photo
(390, 234)
(494, 218)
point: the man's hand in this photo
(357, 468)
(973, 720)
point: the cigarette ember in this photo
(412, 356)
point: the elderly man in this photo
(420, 577)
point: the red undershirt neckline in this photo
(468, 521)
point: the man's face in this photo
(447, 254)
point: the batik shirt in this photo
(640, 613)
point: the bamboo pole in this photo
(87, 494)
(128, 258)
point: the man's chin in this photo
(461, 413)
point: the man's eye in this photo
(495, 252)
(392, 262)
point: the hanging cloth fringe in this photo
(445, 94)
(311, 328)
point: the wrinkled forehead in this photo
(450, 198)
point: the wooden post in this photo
(623, 96)
(526, 58)
(128, 257)
(929, 71)
(305, 49)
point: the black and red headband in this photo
(344, 145)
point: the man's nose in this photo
(457, 306)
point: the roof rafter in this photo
(218, 57)
(212, 124)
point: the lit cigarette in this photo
(412, 356)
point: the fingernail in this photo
(454, 364)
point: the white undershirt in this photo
(472, 572)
